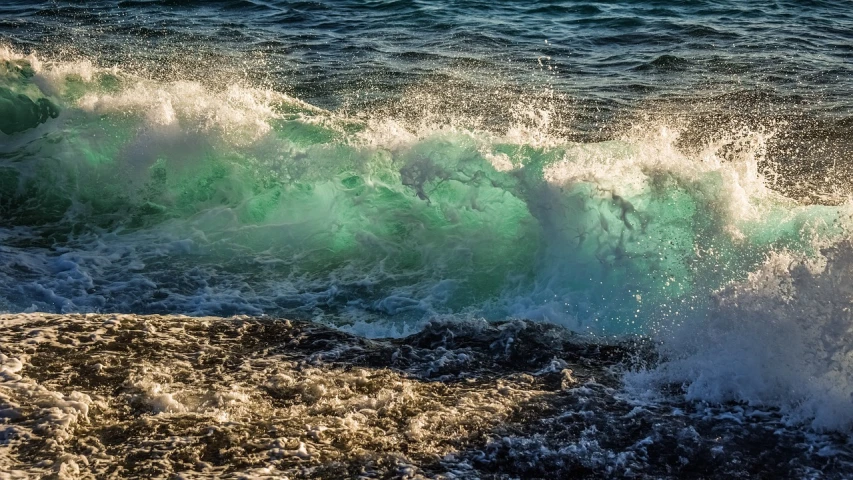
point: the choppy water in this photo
(674, 173)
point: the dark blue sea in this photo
(598, 239)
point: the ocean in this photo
(281, 239)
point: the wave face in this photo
(391, 187)
(167, 197)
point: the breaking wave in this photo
(120, 193)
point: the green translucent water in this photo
(270, 193)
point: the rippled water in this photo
(615, 53)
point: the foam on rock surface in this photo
(85, 396)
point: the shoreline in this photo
(126, 395)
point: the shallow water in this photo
(155, 396)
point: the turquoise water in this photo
(178, 197)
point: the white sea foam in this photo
(780, 338)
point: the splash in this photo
(299, 206)
(780, 337)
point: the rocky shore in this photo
(132, 396)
